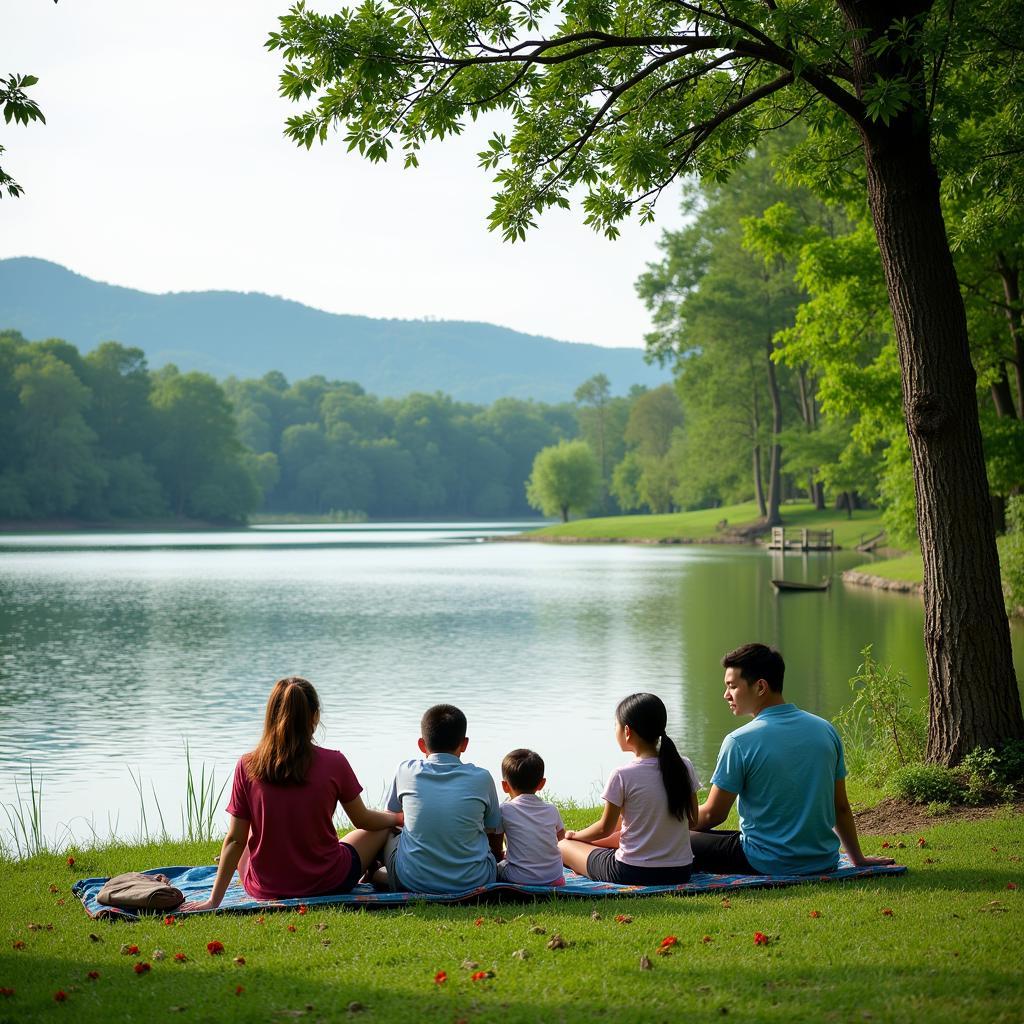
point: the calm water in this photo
(116, 648)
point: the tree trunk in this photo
(773, 518)
(973, 696)
(565, 513)
(758, 484)
(755, 423)
(1002, 396)
(819, 496)
(1015, 315)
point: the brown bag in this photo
(135, 889)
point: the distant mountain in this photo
(246, 334)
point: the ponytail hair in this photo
(284, 753)
(645, 715)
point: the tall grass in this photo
(24, 836)
(25, 821)
(197, 814)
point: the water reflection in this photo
(111, 657)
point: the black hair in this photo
(757, 661)
(645, 715)
(443, 728)
(523, 769)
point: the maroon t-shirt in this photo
(293, 846)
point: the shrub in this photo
(927, 784)
(881, 730)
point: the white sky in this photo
(163, 166)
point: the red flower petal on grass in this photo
(259, 920)
(60, 996)
(214, 948)
(6, 992)
(1011, 885)
(301, 909)
(239, 989)
(60, 903)
(71, 862)
(291, 927)
(706, 939)
(170, 919)
(886, 911)
(19, 944)
(440, 978)
(93, 975)
(760, 939)
(479, 921)
(481, 975)
(142, 967)
(53, 888)
(240, 960)
(669, 940)
(623, 919)
(886, 845)
(921, 841)
(180, 957)
(815, 913)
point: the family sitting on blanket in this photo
(444, 830)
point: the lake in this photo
(116, 648)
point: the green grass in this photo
(942, 955)
(907, 567)
(703, 524)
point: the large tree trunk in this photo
(773, 517)
(973, 696)
(972, 691)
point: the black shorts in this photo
(603, 867)
(355, 872)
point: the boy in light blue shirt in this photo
(449, 808)
(788, 771)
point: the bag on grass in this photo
(136, 889)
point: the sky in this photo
(163, 166)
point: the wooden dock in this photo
(800, 540)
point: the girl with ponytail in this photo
(281, 836)
(650, 805)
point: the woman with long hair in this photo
(281, 835)
(650, 805)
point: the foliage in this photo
(564, 479)
(881, 730)
(1011, 553)
(21, 109)
(927, 784)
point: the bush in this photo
(881, 730)
(928, 784)
(995, 771)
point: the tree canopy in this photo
(617, 99)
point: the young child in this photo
(643, 835)
(449, 807)
(532, 827)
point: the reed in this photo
(25, 821)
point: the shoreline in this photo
(867, 579)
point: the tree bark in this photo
(773, 517)
(1010, 276)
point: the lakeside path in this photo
(935, 945)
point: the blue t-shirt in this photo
(447, 805)
(784, 766)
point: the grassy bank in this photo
(706, 525)
(908, 567)
(937, 945)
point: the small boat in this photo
(826, 582)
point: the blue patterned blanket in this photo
(195, 883)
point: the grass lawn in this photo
(703, 524)
(908, 567)
(939, 944)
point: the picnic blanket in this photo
(195, 883)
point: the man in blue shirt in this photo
(449, 809)
(787, 769)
